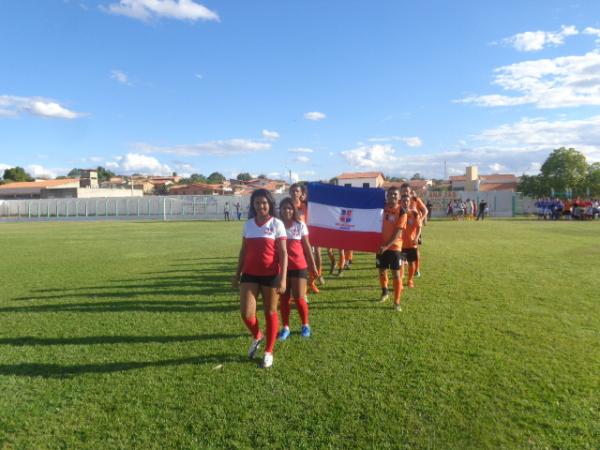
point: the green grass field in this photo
(127, 335)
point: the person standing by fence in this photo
(226, 211)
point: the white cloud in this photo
(593, 32)
(412, 141)
(138, 163)
(302, 159)
(38, 171)
(519, 147)
(3, 167)
(120, 77)
(184, 169)
(216, 148)
(531, 41)
(567, 81)
(308, 173)
(146, 10)
(272, 135)
(314, 115)
(12, 106)
(301, 150)
(199, 76)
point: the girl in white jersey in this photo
(300, 259)
(262, 266)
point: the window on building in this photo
(348, 185)
(366, 185)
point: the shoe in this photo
(284, 334)
(346, 266)
(254, 347)
(306, 298)
(417, 274)
(267, 361)
(340, 272)
(384, 297)
(321, 280)
(411, 284)
(397, 308)
(305, 331)
(313, 288)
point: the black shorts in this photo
(390, 259)
(297, 273)
(269, 281)
(411, 254)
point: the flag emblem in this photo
(346, 216)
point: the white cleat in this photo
(267, 361)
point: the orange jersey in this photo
(302, 212)
(412, 229)
(393, 220)
(417, 203)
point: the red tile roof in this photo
(348, 175)
(39, 184)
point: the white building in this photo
(361, 179)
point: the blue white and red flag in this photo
(345, 217)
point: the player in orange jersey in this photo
(410, 238)
(416, 203)
(389, 255)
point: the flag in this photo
(345, 217)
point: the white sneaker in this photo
(254, 347)
(384, 298)
(397, 308)
(267, 361)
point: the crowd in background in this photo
(467, 209)
(555, 209)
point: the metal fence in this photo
(203, 207)
(211, 207)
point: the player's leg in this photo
(298, 286)
(284, 308)
(270, 298)
(248, 296)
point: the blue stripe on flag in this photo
(346, 197)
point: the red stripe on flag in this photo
(347, 240)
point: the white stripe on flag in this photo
(346, 219)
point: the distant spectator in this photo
(226, 211)
(238, 211)
(429, 207)
(481, 211)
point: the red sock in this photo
(252, 325)
(302, 310)
(284, 307)
(272, 326)
(397, 290)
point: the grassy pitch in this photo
(127, 335)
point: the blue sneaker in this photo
(284, 334)
(305, 331)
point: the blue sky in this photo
(312, 87)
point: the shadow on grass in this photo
(126, 306)
(93, 340)
(58, 371)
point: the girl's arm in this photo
(283, 259)
(235, 282)
(308, 254)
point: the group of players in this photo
(272, 247)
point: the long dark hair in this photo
(288, 201)
(261, 193)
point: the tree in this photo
(417, 176)
(565, 168)
(593, 179)
(533, 186)
(104, 174)
(215, 178)
(262, 177)
(74, 173)
(244, 176)
(16, 174)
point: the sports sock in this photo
(302, 310)
(272, 326)
(383, 279)
(284, 307)
(341, 260)
(397, 290)
(417, 263)
(411, 270)
(252, 325)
